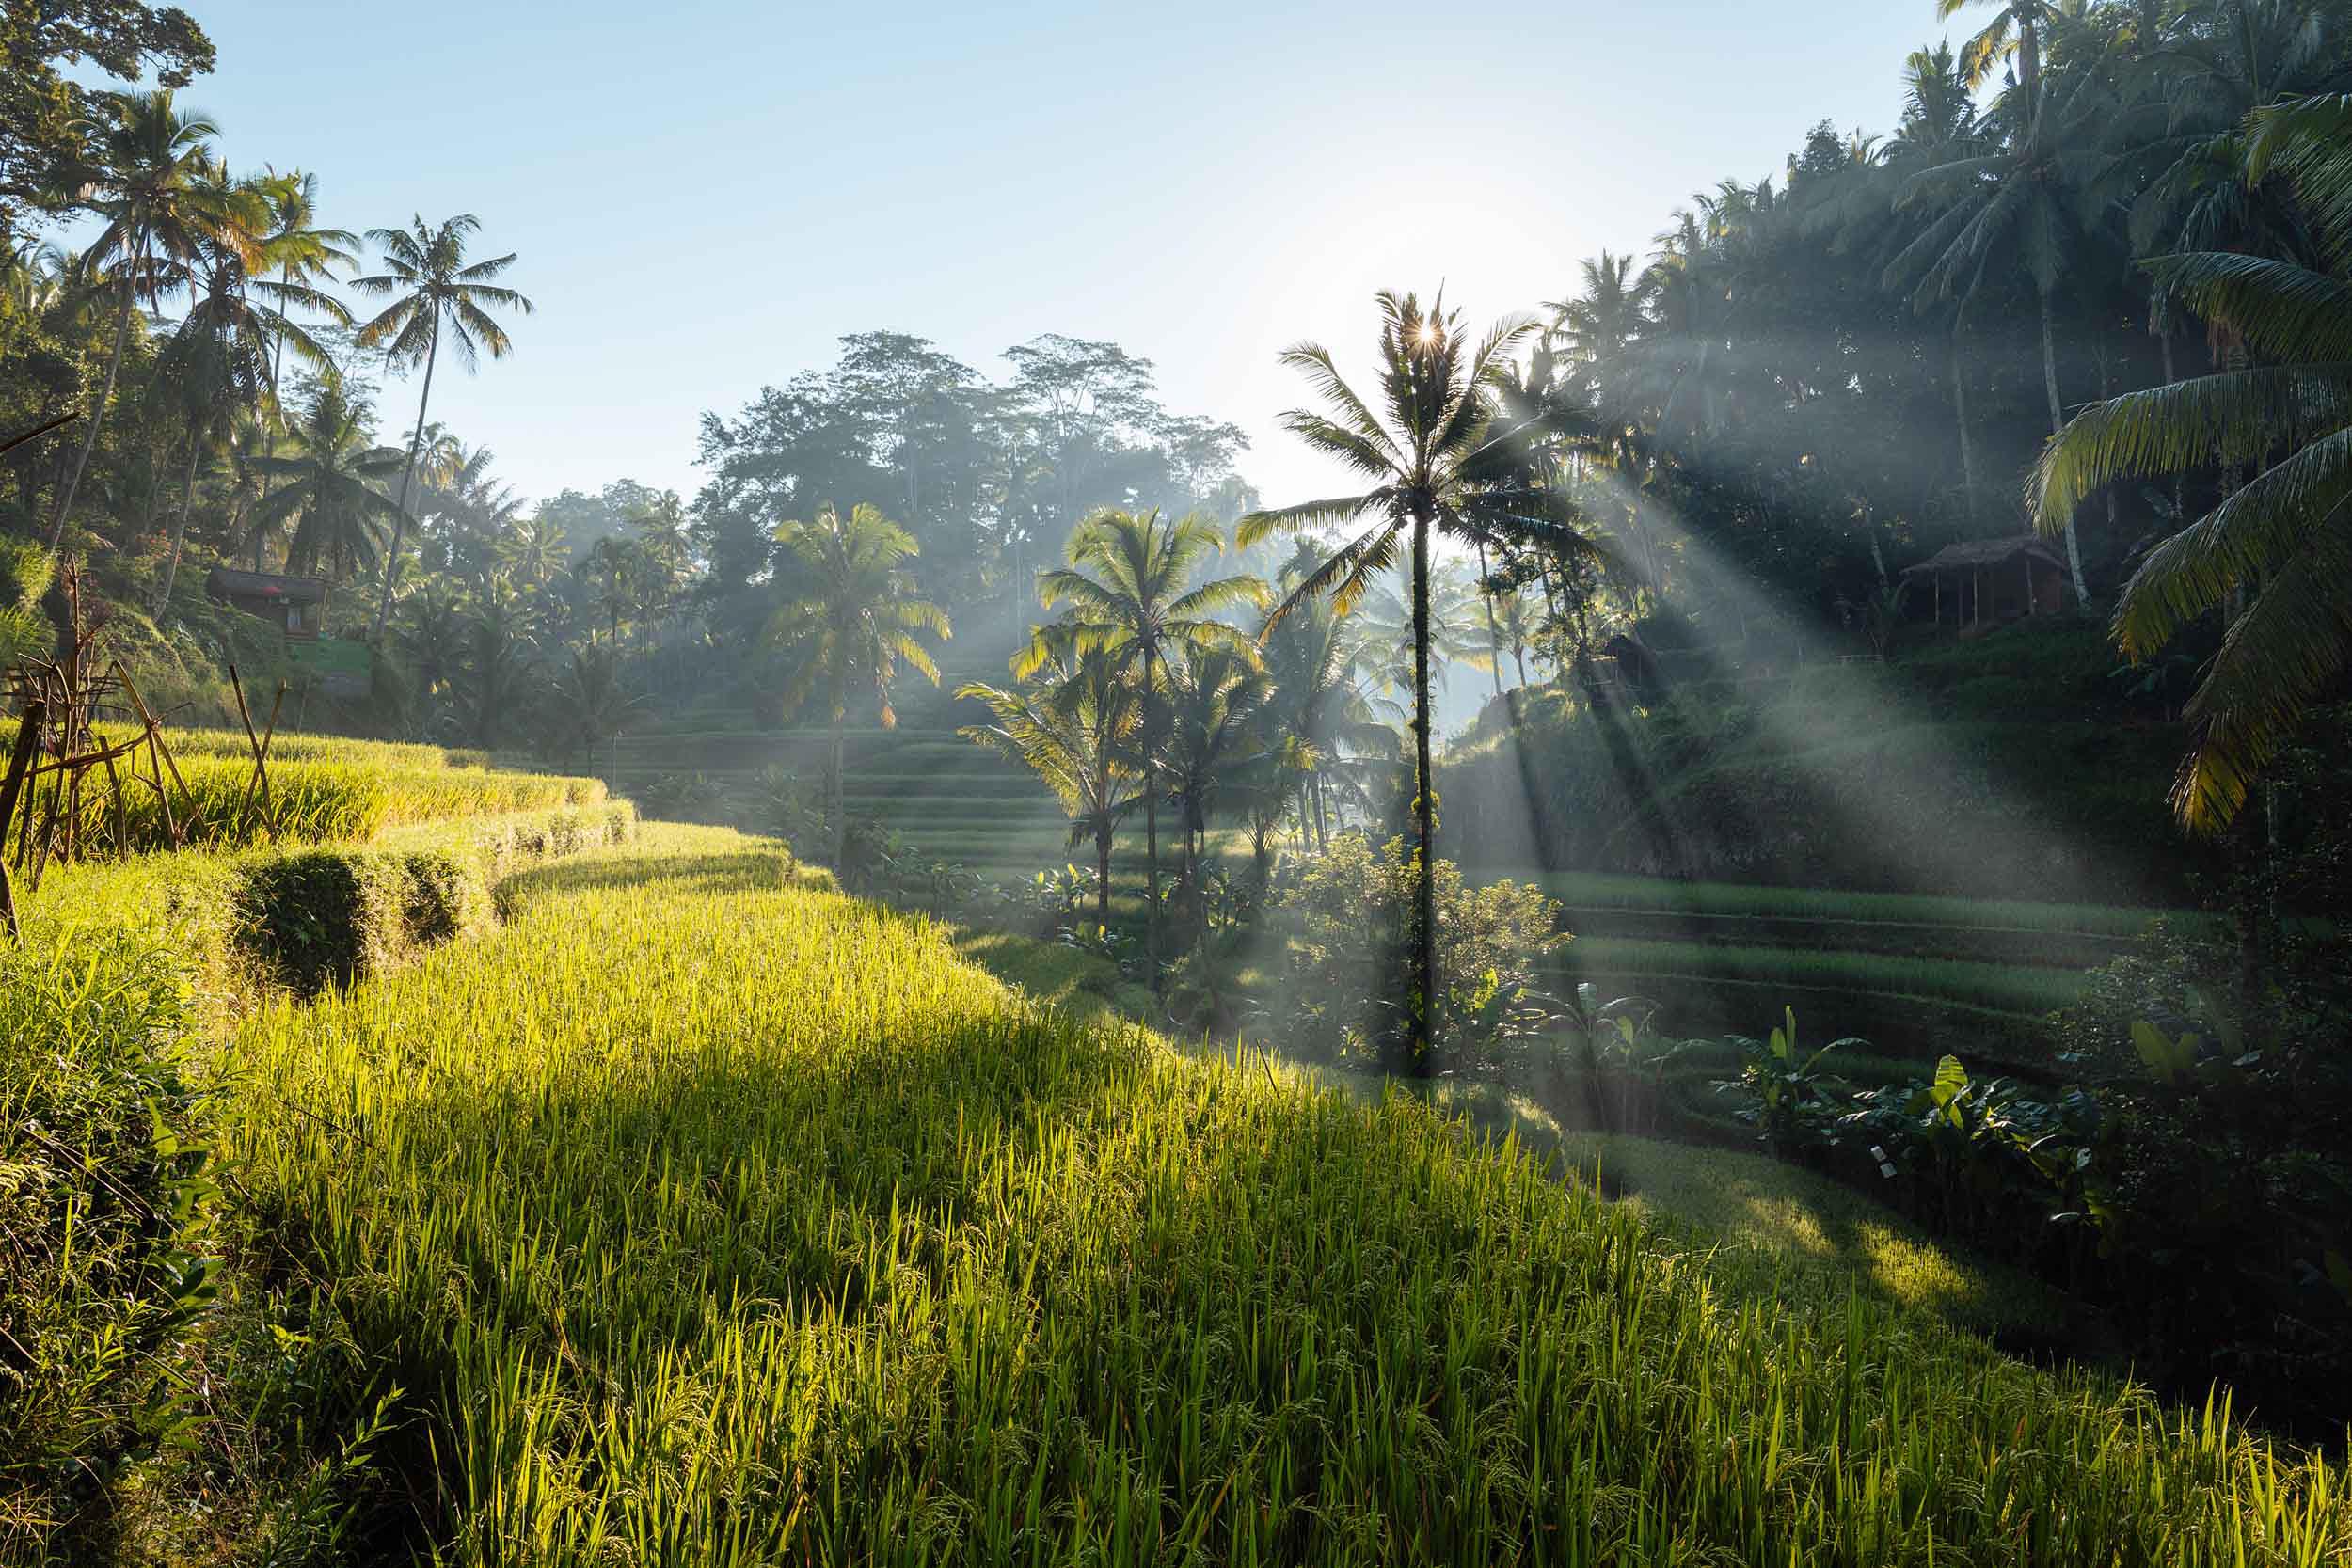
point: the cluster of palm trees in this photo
(1222, 696)
(2033, 168)
(2081, 199)
(253, 273)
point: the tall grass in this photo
(716, 1220)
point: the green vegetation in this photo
(966, 1276)
(402, 1157)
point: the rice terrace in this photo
(1304, 784)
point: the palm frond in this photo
(2208, 419)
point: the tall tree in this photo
(1421, 451)
(224, 353)
(855, 618)
(2023, 200)
(160, 208)
(333, 480)
(434, 288)
(1130, 594)
(2279, 544)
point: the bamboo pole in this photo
(20, 757)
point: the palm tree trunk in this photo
(400, 517)
(1494, 631)
(840, 809)
(2057, 423)
(180, 529)
(1423, 1015)
(276, 372)
(1103, 870)
(1151, 827)
(1967, 445)
(98, 414)
(1323, 825)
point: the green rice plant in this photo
(1579, 890)
(2012, 986)
(105, 1256)
(717, 1218)
(213, 801)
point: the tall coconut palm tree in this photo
(2025, 199)
(303, 255)
(2015, 31)
(856, 617)
(222, 355)
(1130, 592)
(533, 551)
(1319, 696)
(1215, 746)
(1422, 450)
(435, 290)
(334, 479)
(161, 210)
(1072, 724)
(2280, 544)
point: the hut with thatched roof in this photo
(1984, 582)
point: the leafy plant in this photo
(1792, 1101)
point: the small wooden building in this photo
(297, 605)
(1984, 582)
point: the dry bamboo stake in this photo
(122, 822)
(158, 753)
(27, 742)
(245, 715)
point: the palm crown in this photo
(434, 288)
(2278, 542)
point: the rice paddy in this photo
(321, 790)
(710, 1217)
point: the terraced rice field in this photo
(709, 1218)
(1917, 973)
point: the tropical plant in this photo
(1130, 594)
(2277, 546)
(1217, 751)
(855, 616)
(2024, 200)
(1792, 1101)
(225, 352)
(434, 288)
(1074, 724)
(160, 209)
(26, 570)
(334, 476)
(1422, 450)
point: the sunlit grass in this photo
(712, 1219)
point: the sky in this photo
(704, 196)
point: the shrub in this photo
(1343, 920)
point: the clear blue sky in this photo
(706, 194)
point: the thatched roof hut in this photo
(1985, 581)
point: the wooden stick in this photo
(122, 822)
(159, 752)
(19, 756)
(246, 714)
(88, 759)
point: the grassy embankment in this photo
(710, 1218)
